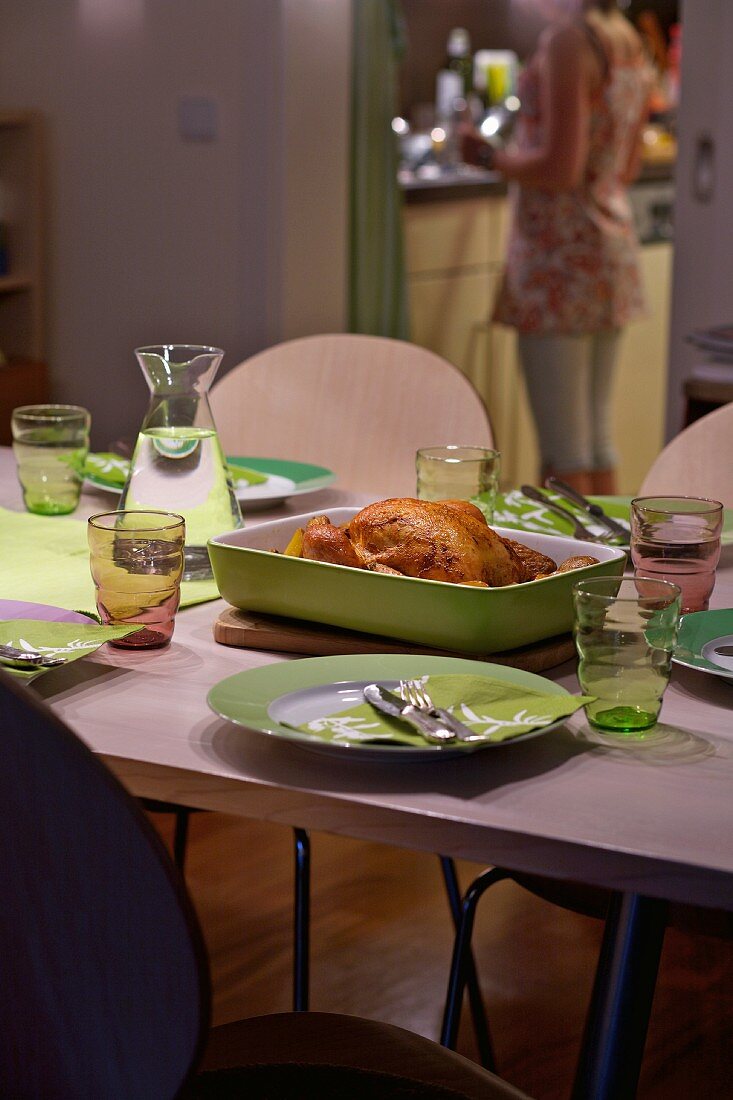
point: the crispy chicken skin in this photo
(322, 541)
(443, 541)
(534, 562)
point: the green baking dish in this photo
(251, 576)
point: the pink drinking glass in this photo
(677, 539)
(136, 559)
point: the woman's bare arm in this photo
(634, 162)
(566, 71)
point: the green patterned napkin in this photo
(67, 640)
(104, 468)
(494, 708)
(107, 469)
(45, 559)
(514, 509)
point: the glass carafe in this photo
(178, 464)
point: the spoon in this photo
(25, 658)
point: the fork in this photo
(415, 693)
(27, 658)
(580, 531)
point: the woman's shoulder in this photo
(565, 47)
(619, 37)
(563, 37)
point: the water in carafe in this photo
(178, 464)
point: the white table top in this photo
(635, 819)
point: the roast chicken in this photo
(447, 540)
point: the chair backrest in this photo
(697, 462)
(104, 988)
(359, 405)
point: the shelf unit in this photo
(23, 372)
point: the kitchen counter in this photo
(468, 182)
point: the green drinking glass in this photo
(625, 634)
(50, 444)
(456, 472)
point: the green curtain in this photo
(377, 288)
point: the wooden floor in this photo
(381, 944)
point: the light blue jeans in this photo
(569, 382)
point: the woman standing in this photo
(572, 276)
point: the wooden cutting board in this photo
(250, 630)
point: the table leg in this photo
(301, 924)
(618, 1015)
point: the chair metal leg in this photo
(301, 926)
(462, 958)
(618, 1016)
(475, 1000)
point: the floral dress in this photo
(573, 262)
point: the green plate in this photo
(252, 576)
(515, 510)
(284, 480)
(258, 698)
(700, 634)
(280, 479)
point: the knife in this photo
(579, 530)
(431, 728)
(588, 506)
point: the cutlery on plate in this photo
(415, 692)
(432, 729)
(588, 506)
(27, 658)
(579, 530)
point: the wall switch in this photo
(198, 118)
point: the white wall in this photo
(702, 292)
(153, 238)
(315, 158)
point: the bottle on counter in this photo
(459, 58)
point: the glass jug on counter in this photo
(178, 464)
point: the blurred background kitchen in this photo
(456, 217)
(248, 171)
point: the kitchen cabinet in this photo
(23, 377)
(641, 383)
(454, 255)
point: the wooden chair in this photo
(697, 462)
(359, 405)
(103, 972)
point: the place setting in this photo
(323, 704)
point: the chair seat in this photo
(328, 1055)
